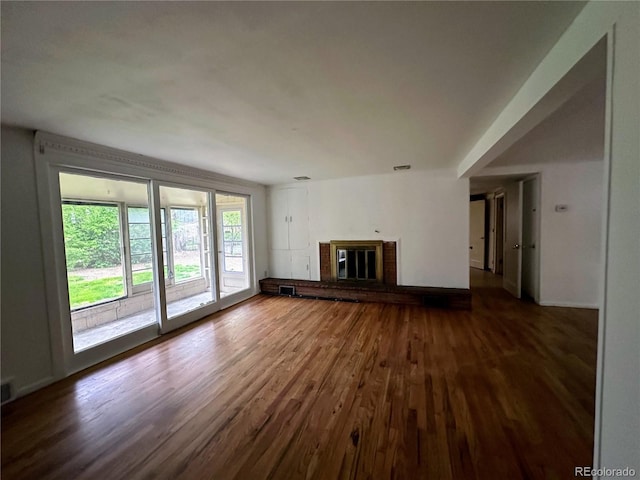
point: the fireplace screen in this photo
(356, 264)
(356, 260)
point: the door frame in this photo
(168, 324)
(65, 359)
(240, 295)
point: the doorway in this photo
(233, 262)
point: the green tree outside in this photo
(91, 236)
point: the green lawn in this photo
(86, 292)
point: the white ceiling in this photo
(573, 133)
(268, 91)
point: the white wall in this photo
(426, 212)
(570, 242)
(26, 356)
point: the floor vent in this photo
(286, 290)
(5, 392)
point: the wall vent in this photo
(286, 290)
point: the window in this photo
(140, 244)
(93, 250)
(232, 240)
(185, 237)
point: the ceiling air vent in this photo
(402, 167)
(302, 178)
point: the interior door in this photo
(476, 234)
(529, 238)
(512, 278)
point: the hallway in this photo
(484, 279)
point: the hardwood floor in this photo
(286, 388)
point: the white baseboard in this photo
(589, 306)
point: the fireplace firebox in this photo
(356, 260)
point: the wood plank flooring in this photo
(280, 388)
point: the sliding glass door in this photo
(142, 255)
(134, 247)
(190, 282)
(107, 241)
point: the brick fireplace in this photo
(366, 290)
(385, 254)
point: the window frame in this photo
(146, 286)
(241, 241)
(123, 248)
(201, 242)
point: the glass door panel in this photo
(189, 284)
(107, 251)
(141, 246)
(233, 271)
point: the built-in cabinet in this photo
(289, 219)
(289, 233)
(288, 264)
